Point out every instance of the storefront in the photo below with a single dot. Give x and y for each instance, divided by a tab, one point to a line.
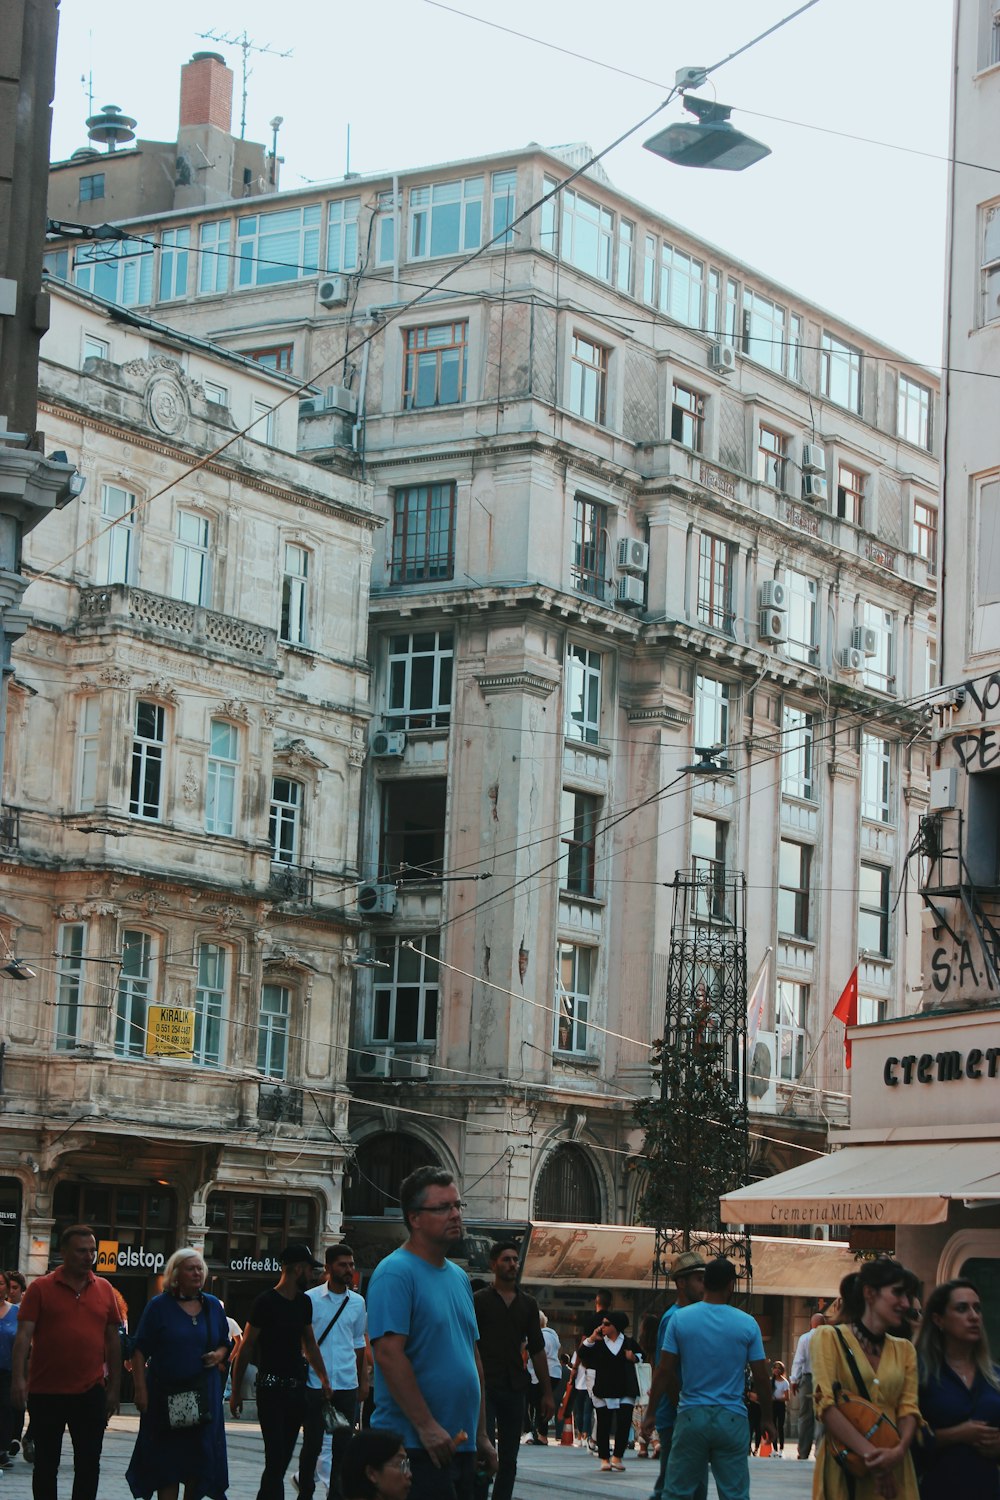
244	1236
10	1223
135	1228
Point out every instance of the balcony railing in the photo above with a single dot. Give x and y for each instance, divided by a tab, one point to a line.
10	829
173	617
291	882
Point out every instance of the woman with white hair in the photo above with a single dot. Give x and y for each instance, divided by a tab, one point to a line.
179	1360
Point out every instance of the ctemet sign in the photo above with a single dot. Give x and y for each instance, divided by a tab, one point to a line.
927	1070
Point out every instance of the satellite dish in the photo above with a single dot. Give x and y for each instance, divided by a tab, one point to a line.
760	1071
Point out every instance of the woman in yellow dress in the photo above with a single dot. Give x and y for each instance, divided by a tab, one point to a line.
875	1299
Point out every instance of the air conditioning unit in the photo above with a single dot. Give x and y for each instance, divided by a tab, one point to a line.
633	556
332	291
772	625
864	638
388	744
850	659
377	900
374	1064
773	594
722	359
410	1065
813	458
308	405
339	398
631	592
762	1074
814	487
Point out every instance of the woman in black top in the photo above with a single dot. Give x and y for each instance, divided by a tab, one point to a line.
613	1357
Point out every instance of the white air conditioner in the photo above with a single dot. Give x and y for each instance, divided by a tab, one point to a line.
332	291
339	398
631	592
374	1064
865	639
762	1079
633	556
814	487
722	359
410	1065
377	900
772	625
773	594
813	458
388	744
308	405
850	659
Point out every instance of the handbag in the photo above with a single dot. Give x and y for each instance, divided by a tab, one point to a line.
188	1404
863	1416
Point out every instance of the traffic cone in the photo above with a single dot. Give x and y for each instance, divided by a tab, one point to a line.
765	1450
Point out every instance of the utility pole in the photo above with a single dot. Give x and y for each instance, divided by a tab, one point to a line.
246	45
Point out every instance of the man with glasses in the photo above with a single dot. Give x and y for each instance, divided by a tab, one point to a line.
422	1325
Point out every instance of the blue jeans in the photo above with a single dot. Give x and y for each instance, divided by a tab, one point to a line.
704	1437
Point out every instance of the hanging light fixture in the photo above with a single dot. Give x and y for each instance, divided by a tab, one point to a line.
712	142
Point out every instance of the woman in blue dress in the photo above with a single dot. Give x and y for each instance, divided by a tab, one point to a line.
959	1399
182	1336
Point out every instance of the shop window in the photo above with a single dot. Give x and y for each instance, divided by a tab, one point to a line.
134	1217
567	1190
413	829
246	1224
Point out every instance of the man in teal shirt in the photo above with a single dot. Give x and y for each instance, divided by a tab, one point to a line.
688	1274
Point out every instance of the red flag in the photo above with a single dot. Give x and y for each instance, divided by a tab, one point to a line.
846	1010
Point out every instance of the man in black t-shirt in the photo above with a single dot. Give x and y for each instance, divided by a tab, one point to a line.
508	1319
279	1339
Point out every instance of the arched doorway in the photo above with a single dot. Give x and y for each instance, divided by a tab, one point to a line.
567	1191
380	1164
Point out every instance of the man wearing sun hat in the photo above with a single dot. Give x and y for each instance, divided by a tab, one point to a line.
687	1272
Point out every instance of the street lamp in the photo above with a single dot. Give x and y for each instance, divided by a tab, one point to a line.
712	142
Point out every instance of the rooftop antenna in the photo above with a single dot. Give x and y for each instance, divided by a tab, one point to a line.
246	45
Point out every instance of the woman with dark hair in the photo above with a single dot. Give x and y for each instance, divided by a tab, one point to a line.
613	1357
859	1358
780	1388
375	1466
959	1398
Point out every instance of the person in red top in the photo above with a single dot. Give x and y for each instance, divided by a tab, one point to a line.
68	1323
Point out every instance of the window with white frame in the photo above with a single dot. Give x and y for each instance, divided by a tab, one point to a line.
272	1030
136	993
797	768
876	778
56	263
88	741
575	966
189	579
873	910
732	325
385	230
588	380
423	534
914	412
711	712
986	529
623	267
990	274
70	942
793	364
649	259
217	394
850	494
175	247
880	669
148	750
95	348
803	639
590	547
446	218
578	824
930	660
504	188
220	788
708	864
764	330
687	418
294	626
583	695
278	246
548	229
925	533
406	992
713	302
840	372
420	666
342	234
263	423
870	1010
791	1004
210	1004
434	364
412	835
284	827
116	543
682	286
587	234
772	457
794	869
118	270
715	583
214	257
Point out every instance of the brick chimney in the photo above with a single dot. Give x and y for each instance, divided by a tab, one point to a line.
207	92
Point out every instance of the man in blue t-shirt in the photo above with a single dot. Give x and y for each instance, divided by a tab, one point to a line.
688	1275
422	1325
707	1349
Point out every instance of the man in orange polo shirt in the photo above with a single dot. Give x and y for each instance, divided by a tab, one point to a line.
68	1322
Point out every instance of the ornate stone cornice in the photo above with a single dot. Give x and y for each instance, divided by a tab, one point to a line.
491	684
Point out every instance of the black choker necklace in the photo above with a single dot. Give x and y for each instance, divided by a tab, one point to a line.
870	1342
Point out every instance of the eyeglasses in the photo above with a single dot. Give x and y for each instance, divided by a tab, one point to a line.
442	1208
402	1464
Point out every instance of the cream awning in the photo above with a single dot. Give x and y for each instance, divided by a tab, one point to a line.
885	1184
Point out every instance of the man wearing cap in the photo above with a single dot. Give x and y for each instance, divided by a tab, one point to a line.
687	1271
279	1339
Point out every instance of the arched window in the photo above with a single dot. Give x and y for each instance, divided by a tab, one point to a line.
379	1167
567	1191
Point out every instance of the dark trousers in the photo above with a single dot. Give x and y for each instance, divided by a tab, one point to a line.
86	1418
618	1422
583	1411
542	1423
11	1417
779	1423
504	1422
281	1411
313	1433
456	1481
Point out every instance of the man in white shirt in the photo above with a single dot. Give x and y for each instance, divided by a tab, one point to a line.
800	1379
339	1323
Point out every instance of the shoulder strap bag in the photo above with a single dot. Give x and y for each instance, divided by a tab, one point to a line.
863	1415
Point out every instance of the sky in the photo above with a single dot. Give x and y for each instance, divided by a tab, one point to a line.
854	225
